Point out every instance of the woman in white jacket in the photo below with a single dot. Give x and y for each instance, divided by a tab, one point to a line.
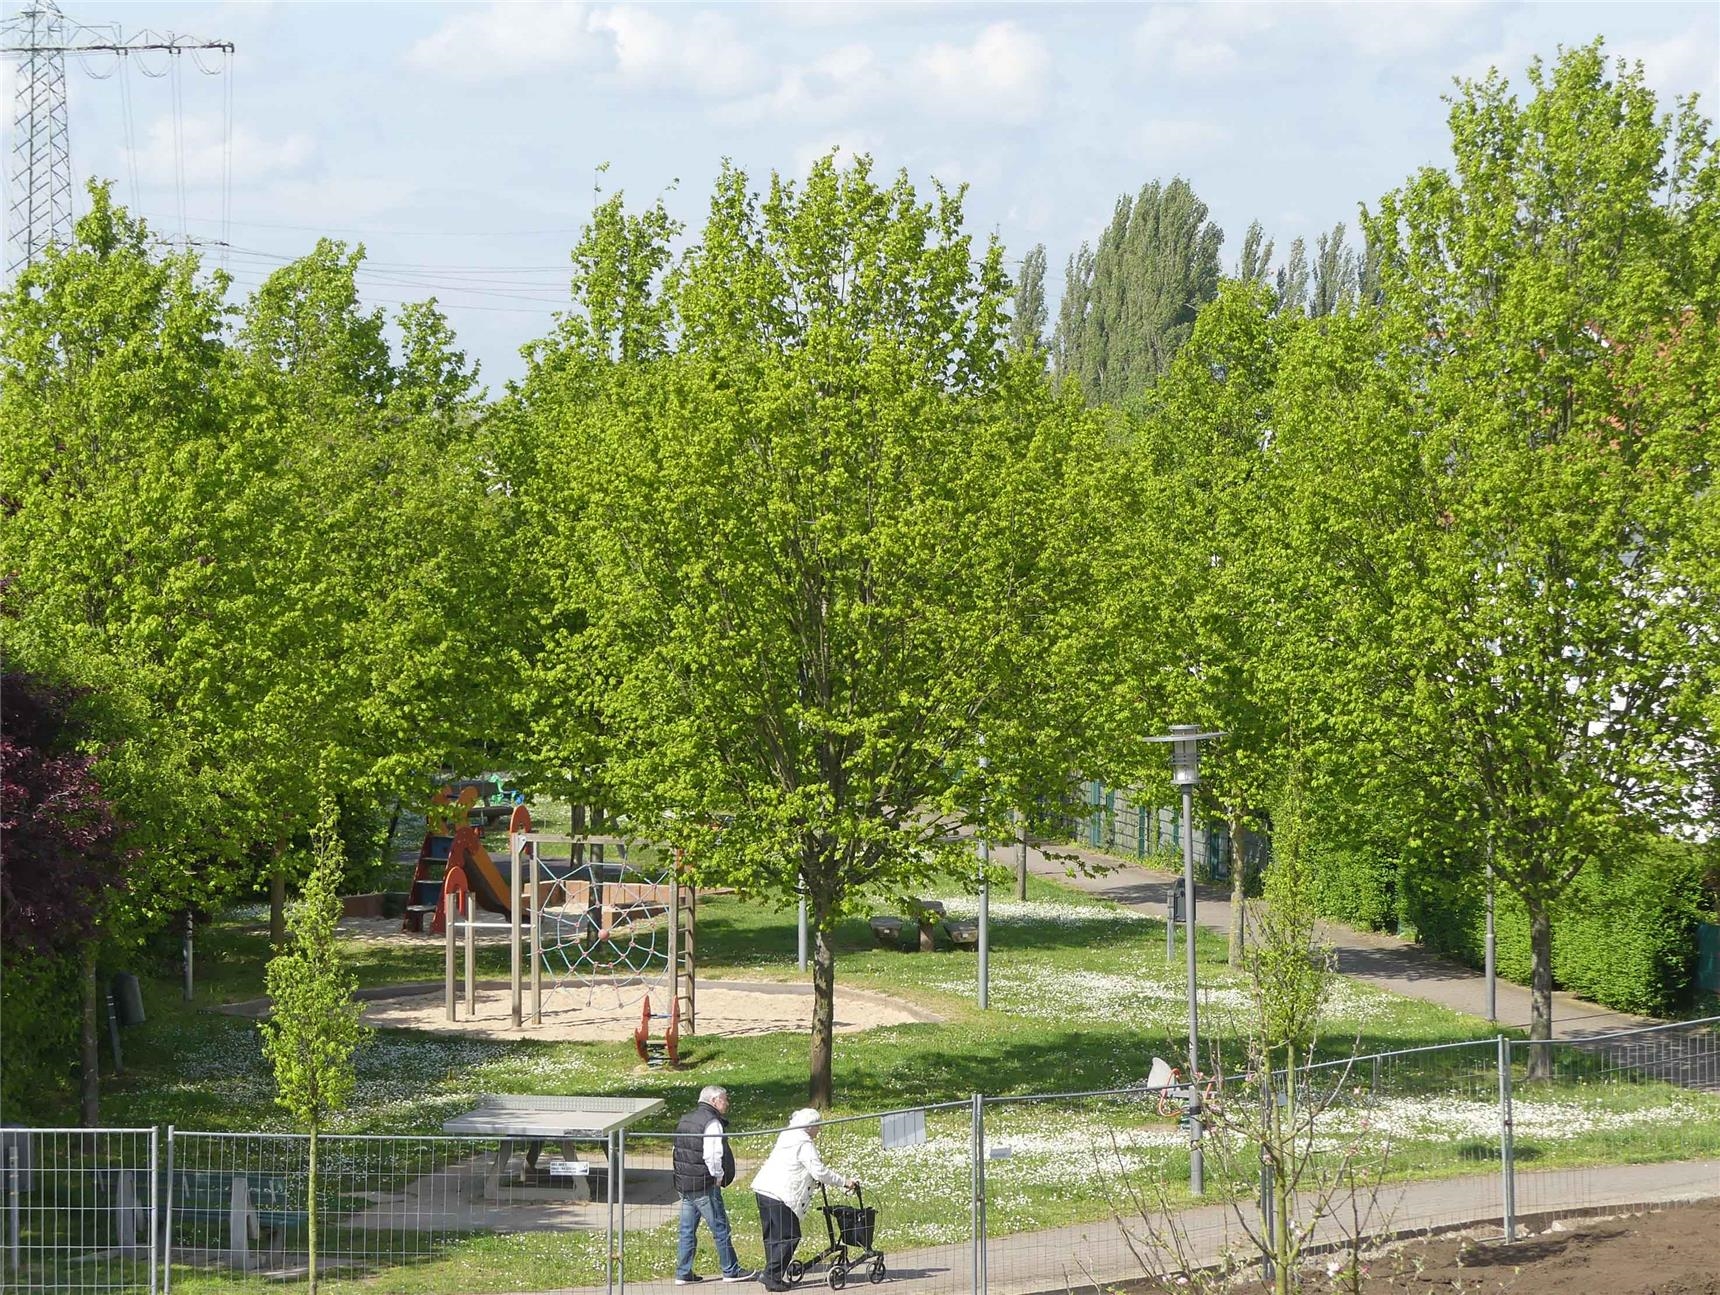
783	1186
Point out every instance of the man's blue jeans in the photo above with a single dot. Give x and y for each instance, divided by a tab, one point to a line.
707	1205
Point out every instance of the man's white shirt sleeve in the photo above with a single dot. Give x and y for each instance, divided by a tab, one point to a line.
714	1149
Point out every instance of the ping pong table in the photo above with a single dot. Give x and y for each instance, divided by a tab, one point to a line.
513	1120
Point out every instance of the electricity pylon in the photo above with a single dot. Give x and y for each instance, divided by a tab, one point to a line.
39	166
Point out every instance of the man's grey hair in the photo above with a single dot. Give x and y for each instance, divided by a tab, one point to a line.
711	1094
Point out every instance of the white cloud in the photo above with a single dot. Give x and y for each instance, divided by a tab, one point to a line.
1165	140
504	39
201	144
1401	30
701	54
846	81
1680	64
1003	76
1199	40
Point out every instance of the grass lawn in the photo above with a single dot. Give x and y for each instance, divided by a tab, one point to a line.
1082	998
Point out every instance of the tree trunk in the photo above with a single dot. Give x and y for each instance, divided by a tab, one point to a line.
823	1011
277	903
311	1212
89	1045
1021	859
1541	989
1238	889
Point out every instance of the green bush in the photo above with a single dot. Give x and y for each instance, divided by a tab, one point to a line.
41	1006
1624	935
1356	884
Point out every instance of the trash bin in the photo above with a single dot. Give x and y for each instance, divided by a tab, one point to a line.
127	999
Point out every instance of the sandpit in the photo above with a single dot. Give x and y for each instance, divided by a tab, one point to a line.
730	1008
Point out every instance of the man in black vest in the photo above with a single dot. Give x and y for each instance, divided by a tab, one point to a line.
704	1165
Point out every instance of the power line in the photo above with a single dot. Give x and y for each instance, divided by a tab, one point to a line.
40	165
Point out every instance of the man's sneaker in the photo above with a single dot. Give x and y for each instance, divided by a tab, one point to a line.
691	1279
742	1276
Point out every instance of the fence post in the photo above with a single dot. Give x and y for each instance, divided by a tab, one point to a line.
609	1198
167	1222
1508	1182
154	1204
618	1194
12	1212
978	1152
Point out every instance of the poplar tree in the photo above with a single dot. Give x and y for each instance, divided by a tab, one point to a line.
1130	303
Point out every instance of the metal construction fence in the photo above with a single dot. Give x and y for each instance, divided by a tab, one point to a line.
1017	1193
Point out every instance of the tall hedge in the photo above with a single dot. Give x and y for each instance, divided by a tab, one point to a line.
1624	935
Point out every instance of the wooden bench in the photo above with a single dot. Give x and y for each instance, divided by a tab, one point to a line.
963	934
253	1205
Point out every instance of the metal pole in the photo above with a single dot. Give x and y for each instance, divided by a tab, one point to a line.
984	923
516	1000
450	915
609	1235
1196	1165
978	1153
1021	857
154	1207
537	937
1508	1180
1492	970
618	1192
1170	921
167	1222
471	956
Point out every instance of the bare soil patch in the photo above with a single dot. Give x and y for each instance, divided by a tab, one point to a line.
1674	1251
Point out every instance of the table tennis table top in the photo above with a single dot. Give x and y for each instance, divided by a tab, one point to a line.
515	1116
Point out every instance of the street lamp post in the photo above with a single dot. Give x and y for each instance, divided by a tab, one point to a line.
1185	740
984	906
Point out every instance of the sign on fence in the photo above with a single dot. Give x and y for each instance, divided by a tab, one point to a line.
903	1129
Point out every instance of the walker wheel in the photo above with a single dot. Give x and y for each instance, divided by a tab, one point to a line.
794	1272
838	1275
877	1271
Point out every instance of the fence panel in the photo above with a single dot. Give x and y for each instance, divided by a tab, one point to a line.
918	1178
1620	1119
79	1211
431	1212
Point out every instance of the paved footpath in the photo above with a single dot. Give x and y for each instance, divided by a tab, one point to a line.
1085	1256
1374	956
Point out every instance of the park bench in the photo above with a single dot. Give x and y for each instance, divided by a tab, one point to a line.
928	914
963	934
253	1205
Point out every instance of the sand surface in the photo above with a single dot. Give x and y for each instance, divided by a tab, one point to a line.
727	1008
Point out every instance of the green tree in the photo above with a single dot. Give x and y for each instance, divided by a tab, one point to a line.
1293	278
1335	274
114	466
1027	319
1511	467
313	1027
1129	304
1192	598
1255	262
803	497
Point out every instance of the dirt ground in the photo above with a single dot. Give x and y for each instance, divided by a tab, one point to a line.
1674	1251
725	1008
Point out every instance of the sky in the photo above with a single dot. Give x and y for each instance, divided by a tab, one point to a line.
462	143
